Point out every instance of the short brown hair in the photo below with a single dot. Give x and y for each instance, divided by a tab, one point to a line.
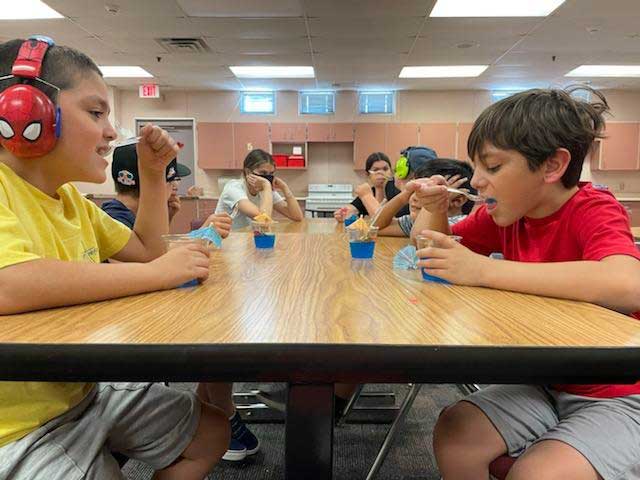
62	66
537	122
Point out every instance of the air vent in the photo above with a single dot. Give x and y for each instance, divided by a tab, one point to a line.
184	45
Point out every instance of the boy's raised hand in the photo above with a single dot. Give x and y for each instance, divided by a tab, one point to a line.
221	222
182	264
430	193
155	149
452	261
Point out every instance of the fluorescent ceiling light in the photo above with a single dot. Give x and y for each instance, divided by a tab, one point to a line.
273	72
125	72
443	71
27	10
605	71
494	8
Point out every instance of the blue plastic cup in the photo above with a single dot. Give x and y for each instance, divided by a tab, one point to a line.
362	246
263	235
422	241
177	240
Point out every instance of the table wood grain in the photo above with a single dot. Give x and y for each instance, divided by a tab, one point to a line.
308	290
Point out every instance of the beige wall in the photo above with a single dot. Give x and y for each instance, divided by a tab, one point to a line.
333	163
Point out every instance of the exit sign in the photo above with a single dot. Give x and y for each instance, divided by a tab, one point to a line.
149	90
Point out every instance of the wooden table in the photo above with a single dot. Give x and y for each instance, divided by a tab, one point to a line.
306	314
636	232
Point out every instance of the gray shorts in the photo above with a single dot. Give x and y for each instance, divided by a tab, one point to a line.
146	421
606	431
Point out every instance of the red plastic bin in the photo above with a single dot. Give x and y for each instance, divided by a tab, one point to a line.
295	161
281	160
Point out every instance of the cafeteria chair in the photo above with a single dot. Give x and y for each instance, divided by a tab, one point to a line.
407	403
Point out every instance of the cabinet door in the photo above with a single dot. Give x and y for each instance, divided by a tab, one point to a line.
633	209
288	132
441	137
619	150
369	138
464	129
247	137
215	145
341	132
400	136
181	222
319	132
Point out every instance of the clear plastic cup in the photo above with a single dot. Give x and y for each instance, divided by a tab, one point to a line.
263	235
180	239
422	241
362	247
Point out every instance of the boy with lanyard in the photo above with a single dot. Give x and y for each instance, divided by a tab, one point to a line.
560	238
54	129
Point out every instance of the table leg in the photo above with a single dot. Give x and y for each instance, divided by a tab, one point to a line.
309	432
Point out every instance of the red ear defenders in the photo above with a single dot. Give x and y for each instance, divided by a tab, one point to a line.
30	122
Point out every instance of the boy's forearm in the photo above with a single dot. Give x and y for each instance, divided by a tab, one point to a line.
430	221
588	281
391	208
152	218
392	230
46	283
370	203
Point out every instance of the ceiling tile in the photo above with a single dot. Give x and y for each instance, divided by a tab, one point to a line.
367	8
250	27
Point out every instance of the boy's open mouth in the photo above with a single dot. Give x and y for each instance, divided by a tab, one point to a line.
103	151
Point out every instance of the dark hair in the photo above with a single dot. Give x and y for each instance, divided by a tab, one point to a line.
62	67
537	122
132	190
376	157
257	157
448	167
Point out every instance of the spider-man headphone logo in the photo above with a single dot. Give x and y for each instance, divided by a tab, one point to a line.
30	123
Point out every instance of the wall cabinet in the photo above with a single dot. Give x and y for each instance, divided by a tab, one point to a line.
619	150
369	138
288	132
215	145
464	129
398	137
441	137
247	137
330	132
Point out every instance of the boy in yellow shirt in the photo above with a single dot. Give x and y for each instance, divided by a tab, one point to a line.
54	129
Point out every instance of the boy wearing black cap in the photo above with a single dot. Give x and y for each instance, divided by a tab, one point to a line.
124	171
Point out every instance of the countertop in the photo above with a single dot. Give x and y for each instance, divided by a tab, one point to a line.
182	197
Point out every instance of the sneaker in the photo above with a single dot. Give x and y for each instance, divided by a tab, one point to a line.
242	434
275	399
236	451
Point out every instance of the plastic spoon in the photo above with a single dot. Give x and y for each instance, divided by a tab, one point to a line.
471	196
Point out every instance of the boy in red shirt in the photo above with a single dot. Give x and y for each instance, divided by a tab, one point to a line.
559	238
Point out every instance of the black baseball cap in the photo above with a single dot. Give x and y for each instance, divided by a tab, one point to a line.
124	168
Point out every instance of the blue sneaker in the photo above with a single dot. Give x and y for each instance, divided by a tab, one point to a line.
242	434
236	451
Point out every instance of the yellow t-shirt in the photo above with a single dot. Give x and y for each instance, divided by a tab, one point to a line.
34	225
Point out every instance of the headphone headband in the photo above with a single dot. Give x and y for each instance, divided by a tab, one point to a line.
28	63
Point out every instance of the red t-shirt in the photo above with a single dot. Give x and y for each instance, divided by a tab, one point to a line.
591	225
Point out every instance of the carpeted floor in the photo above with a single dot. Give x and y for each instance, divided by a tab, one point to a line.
355	445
